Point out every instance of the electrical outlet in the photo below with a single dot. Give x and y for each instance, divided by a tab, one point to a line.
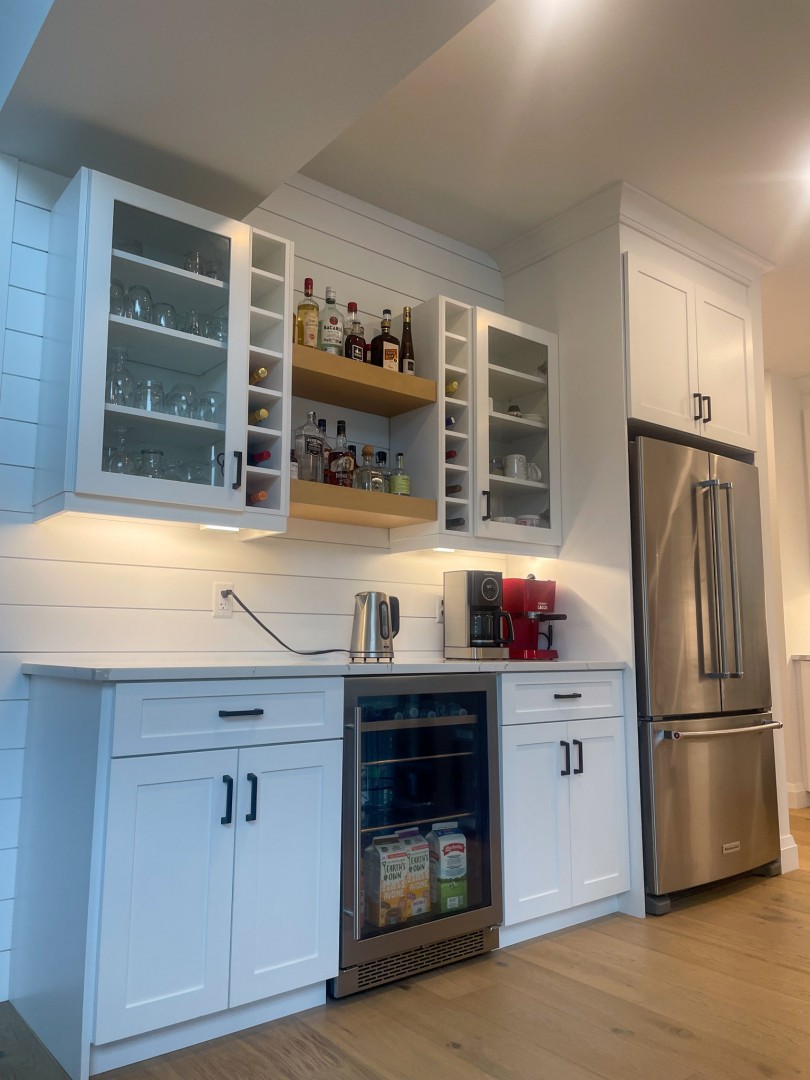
222	605
439	609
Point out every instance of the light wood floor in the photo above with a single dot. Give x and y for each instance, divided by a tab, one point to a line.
717	990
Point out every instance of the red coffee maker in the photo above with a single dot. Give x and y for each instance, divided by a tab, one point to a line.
531	605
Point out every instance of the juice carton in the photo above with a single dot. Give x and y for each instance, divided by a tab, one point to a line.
417	901
448	867
385	881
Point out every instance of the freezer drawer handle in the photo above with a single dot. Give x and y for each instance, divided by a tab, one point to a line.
677	735
254	790
566	697
567	747
581	767
241	712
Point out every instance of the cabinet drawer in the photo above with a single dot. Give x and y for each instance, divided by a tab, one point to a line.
535	697
159	718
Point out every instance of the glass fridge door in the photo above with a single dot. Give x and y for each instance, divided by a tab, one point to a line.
425	843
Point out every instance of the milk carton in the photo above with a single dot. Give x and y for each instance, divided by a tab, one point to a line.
417	900
448	867
385	881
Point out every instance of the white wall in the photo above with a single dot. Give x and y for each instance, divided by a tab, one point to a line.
81	589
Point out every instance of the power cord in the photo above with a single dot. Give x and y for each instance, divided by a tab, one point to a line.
301	652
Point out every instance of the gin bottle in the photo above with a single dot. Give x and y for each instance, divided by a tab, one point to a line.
309	450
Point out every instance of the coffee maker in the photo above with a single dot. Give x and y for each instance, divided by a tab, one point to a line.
531	605
475	625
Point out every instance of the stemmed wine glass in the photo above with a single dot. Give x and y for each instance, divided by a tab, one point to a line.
116	458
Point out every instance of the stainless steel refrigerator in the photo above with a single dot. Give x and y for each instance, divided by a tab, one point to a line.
708	784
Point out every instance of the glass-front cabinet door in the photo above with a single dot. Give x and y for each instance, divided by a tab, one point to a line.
163	339
517	451
421	821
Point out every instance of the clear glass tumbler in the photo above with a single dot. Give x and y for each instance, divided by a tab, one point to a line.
149	395
138	304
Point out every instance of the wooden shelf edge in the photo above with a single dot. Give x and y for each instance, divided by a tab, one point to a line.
350	506
336	380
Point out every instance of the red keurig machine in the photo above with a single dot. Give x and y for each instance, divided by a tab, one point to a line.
531	605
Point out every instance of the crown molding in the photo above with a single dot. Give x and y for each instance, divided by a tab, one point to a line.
624	205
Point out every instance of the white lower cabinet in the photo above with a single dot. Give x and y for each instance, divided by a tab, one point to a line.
220	882
565	820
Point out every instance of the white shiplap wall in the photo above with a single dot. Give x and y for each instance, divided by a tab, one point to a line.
79	589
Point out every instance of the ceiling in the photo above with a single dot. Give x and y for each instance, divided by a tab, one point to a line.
480	120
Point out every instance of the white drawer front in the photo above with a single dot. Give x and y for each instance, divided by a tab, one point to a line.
537	696
159	718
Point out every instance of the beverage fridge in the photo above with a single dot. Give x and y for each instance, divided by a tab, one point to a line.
709	808
421	858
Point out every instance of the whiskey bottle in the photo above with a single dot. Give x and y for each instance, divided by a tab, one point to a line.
309	450
406	364
385	347
307	318
257	375
354	347
330	325
257	416
341	460
399	482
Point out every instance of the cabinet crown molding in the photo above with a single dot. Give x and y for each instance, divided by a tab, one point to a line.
622	204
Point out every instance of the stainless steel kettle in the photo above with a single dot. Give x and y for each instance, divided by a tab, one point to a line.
376	624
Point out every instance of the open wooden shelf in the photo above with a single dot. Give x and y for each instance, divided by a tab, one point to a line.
352	506
336	380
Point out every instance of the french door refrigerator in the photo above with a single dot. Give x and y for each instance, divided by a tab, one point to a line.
708	784
420	752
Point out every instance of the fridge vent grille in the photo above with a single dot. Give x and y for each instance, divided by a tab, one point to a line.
377	972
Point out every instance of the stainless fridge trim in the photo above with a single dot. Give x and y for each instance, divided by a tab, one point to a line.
774	725
354	950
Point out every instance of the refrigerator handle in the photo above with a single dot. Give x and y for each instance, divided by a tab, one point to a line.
719	597
358	781
737	673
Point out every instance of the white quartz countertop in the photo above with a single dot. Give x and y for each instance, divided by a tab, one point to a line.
150	669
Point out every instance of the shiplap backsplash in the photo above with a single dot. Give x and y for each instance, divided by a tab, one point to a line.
80	589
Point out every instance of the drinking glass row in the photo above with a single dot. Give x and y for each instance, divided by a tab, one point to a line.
148	394
119	457
136	303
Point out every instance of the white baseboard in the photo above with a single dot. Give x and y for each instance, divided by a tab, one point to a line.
798	798
789	854
546	924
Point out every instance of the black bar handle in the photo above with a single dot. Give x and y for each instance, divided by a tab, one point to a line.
567	697
707	419
698	406
228	819
578	744
254	792
241	712
238	482
567	770
488	514
505	619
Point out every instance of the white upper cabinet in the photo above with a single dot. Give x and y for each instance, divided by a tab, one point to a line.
489	452
144	399
689	356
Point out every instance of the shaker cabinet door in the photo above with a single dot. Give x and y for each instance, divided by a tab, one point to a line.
726	359
166	901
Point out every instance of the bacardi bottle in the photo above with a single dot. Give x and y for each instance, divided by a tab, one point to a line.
330	326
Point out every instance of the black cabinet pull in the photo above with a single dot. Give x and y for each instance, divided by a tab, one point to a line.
254	791
566	697
578	744
238	483
228	801
567	770
488	514
241	712
707	419
698	406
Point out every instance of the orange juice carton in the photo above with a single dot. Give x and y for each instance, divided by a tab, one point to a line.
417	901
385	881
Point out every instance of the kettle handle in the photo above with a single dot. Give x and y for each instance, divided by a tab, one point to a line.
505	617
393	602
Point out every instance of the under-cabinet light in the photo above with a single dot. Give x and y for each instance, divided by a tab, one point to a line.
222	528
447	551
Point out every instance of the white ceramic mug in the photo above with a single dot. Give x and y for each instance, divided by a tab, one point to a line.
534	472
514	465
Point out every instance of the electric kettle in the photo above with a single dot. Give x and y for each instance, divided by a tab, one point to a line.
376	624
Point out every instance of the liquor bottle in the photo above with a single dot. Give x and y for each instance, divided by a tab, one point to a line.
451	386
449	421
455	523
382	465
327	449
257	375
307	318
353	452
385	347
450	455
256	498
341	460
259	458
293	465
257	416
454	489
354	347
309	450
399	482
330	325
368	476
406	363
